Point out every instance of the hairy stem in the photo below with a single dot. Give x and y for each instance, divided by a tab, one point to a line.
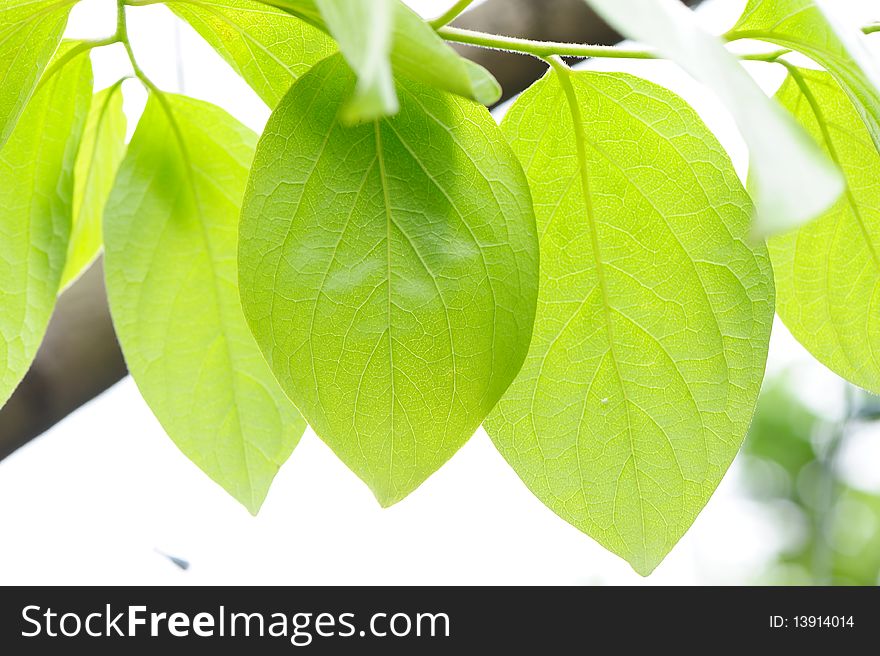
540	49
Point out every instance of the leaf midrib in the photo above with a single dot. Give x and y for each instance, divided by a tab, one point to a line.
190	171
564	77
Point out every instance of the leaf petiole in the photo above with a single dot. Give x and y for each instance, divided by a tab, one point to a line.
71	54
450	14
122	37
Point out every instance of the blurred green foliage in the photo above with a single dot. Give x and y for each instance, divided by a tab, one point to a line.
831	530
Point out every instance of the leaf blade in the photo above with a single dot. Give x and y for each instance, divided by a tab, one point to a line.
36	190
794	182
170	240
364	32
267	47
809	26
653	313
418	53
31	31
392	298
828	272
100	153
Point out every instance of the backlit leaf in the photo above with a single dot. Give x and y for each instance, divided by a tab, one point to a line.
170	232
418	53
36	198
363	31
653	318
100	153
810	28
828	272
389	272
30	31
267	47
793	181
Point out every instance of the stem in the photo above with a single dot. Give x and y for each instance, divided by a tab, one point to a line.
546	50
450	14
541	49
870	29
122	36
75	51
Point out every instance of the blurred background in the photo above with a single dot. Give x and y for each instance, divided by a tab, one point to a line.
104	497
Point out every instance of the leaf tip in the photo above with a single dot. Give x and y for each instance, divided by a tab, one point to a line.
486	89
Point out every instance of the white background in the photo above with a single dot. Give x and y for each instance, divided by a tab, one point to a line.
104	494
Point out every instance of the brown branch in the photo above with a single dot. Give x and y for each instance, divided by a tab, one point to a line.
79	359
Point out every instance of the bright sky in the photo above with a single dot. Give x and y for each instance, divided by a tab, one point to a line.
98	497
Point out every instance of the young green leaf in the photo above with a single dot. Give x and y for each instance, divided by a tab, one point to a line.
36	192
418	53
654	312
808	27
100	153
363	32
30	31
170	232
388	271
828	272
793	181
267	47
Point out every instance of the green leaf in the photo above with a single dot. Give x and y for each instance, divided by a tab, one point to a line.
36	191
30	31
653	318
363	32
170	231
389	272
793	181
418	53
828	272
807	26
100	153
266	46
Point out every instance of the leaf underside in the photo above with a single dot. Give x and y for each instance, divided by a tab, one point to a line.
804	25
418	53
267	47
828	272
389	272
654	312
793	181
100	152
30	31
36	190
170	231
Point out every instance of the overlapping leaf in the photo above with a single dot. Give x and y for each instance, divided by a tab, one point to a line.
30	31
793	181
100	153
266	46
653	318
36	198
388	271
417	52
809	27
170	236
828	272
364	32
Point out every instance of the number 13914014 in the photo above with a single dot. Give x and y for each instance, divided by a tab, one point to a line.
812	622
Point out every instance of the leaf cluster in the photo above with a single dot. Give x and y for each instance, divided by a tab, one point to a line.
590	280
